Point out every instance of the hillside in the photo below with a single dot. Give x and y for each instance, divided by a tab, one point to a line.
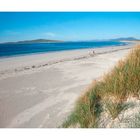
112	101
125	39
34	41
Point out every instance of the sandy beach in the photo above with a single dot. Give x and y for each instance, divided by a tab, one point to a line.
40	90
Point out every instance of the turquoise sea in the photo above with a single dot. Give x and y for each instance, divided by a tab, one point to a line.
8	50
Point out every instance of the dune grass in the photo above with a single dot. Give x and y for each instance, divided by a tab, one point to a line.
108	94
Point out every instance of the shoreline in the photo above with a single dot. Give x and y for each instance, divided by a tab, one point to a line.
41	53
69	49
34	61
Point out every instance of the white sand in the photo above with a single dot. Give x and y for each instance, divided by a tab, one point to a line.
40	90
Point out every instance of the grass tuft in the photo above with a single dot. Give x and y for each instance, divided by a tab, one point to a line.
109	94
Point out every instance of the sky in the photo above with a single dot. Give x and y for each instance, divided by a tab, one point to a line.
68	26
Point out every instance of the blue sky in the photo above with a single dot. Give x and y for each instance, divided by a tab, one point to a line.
16	26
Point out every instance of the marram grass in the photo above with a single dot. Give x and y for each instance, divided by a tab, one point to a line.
108	94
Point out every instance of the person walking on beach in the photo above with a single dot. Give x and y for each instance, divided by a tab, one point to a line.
92	53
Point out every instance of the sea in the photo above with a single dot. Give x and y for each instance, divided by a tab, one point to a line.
13	49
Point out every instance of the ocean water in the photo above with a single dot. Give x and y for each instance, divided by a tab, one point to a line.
8	50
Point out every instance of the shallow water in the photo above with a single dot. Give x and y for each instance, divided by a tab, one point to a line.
8	50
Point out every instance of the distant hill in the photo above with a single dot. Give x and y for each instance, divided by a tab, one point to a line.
57	41
34	41
115	39
125	39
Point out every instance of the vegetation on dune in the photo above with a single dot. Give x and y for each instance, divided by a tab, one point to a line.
108	94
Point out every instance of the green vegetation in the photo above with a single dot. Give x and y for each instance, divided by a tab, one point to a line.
109	94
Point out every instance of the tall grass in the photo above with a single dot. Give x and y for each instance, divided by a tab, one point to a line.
109	94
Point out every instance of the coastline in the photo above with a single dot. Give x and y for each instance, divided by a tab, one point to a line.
40	90
22	63
33	48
